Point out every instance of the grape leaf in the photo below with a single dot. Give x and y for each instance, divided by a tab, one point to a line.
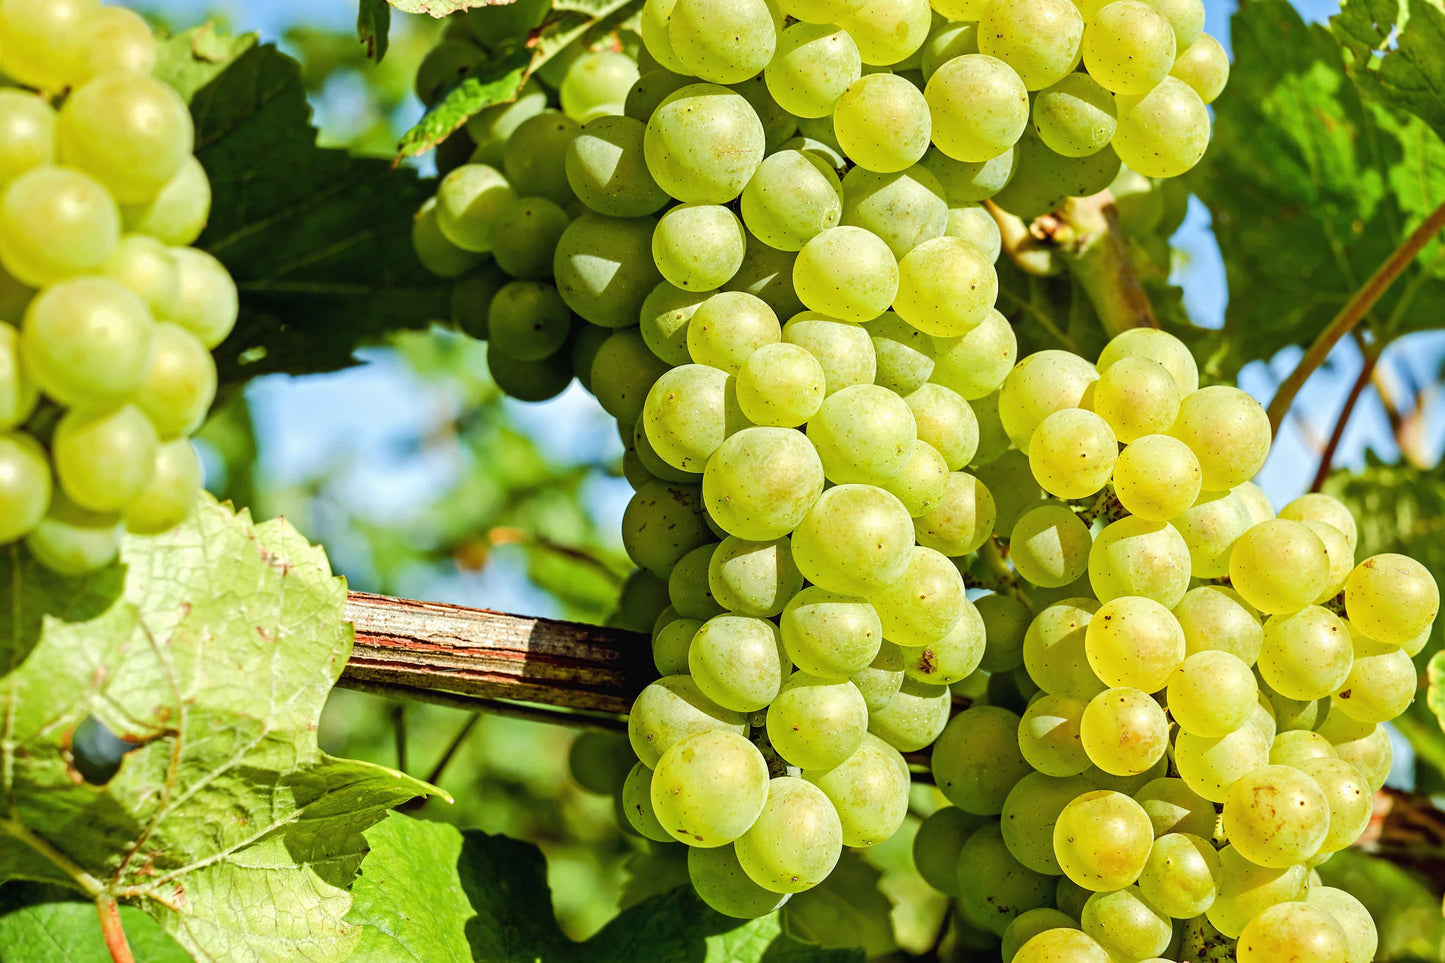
1397	54
429	891
443	8
213	660
373	27
1311	188
317	240
42	924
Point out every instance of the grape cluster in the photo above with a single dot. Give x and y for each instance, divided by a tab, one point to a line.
105	312
758	242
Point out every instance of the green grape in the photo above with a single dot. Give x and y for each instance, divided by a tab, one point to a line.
491	127
167	498
1381	684
1228	430
526	235
703	143
1044	179
923	604
738	661
1173	807
888	31
662	523
1006	621
1165	132
1075	116
180	382
947	39
1061	945
1134	641
977	760
728	327
780	385
1366	747
1029	924
1212	694
1123	731
1072	453
528	320
104	459
1292	931
596	84
671	709
945	423
1054	652
1306	654
437	254
651	89
966	182
1294	714
844	351
1279	566
1039	39
709	787
1048	735
535	156
796	841
472	296
914	717
1391	598
1135	556
814	723
994	887
1128	47
670	644
1102	840
698	246
1263	719
1127	924
1157	478
44	40
1247	889
904	208
793	197
1039	385
18	394
974	224
720	882
623	372
980	108
1156	345
207	303
1349	798
54	223
753	578
953	657
470	199
606	169
665	316
1050	545
1137	396
722	42
687	585
25	486
530	380
600	762
1186	17
828	635
1210	528
178	211
1210	765
813	65
145	266
937	844
73	541
27	131
768	273
87	342
1181	876
904	354
116	40
1029	812
946	287
820	11
1204	66
846	273
1295	747
779	126
922	483
993	444
882	123
761	483
495	26
961	519
1317	507
1353	918
604	268
881	680
976	363
853	539
656	39
869	790
863	434
129	132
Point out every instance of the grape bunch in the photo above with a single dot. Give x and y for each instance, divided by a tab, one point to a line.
107	316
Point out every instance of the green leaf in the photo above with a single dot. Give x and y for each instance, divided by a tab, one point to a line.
373	25
845	909
42	924
318	241
429	891
214	660
1397	54
443	8
1311	189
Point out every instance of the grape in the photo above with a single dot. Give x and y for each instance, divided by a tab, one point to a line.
829	635
1212	694
1246	890
947	39
1369	751
129	132
657	41
994	887
1209	766
946	286
814	723
1137	396
167	498
623	372
105	459
662	523
1127	924
529	380
27	131
1210	528
116	40
974	224
719	880
1157	478
1295	747
703	143
728	327
904	354
670	644
1348	796
1043	180
207	303
1165	132
71	540
1006	620
636	803
869	790
1102	840
698	246
1061	946
738	662
178	211
914	717
1039	385
1204	66
526	235
1381	684
1391	598
443	67
1306	654
606	170
980	108
936	846
1135	641
1075	116
1293	714
437	254
1054	652
528	320
795	842
961	520
846	273
491	127
888	31
146	267
1276	816
1173	807
993	445
1128	47
1181	875
863	434
1123	731
761	483
882	123
470	199
1029	924
882	679
1293	931
25	485
820	11
1156	345
1029	812
945	423
709	788
1353	918
953	657
1048	735
604	268
87	342
687	585
1050	546
18	394
780	385
56	222
753	578
671	709
722	42
792	198
813	65
855	539
904	208
965	182
977	760
1135	556
595	84
180	382
924	603
44	40
1072	453
1186	17
1317	507
1039	39
535	156
665	314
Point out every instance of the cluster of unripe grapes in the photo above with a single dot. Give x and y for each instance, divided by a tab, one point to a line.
758	243
107	317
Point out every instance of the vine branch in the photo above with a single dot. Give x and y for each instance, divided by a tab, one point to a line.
1327	457
112	929
1353	313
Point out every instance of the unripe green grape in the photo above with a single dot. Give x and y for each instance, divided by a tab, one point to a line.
1204	66
665	314
1048	735
1292	931
116	40
960	520
854	539
703	143
104	460
761	483
753	578
1040	384
974	224
131	133
470	199
180	382
54	223
728	327
1006	620
723	43
904	208
813	65
604	269
1102	840
596	83
1137	396
73	541
947	39
1135	556
656	40
980	107
1247	889
530	380
177	213
923	604
534	157
828	635
1381	683
18	394
937	843
844	351
946	423
1209	766
662	523
882	123
670	644
1210	527
1029	812
1354	919
207	303
863	434
1157	478
975	363
145	266
1050	546
1181	875
1054	652
946	287
916	714
904	354
25	486
966	182
87	342
792	198
27	131
882	679
846	273
923	482
698	246
720	882
687	585
795	842
167	498
1128	47
888	31
1123	731
709	788
1039	39
1391	598
44	40
443	66
1075	116
526	235
1165	132
607	171
817	724
1349	798
528	320
432	248
1173	807
993	885
1127	924
1031	923
671	709
868	789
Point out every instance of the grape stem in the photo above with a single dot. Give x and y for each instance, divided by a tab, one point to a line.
110	926
1353	313
1327	457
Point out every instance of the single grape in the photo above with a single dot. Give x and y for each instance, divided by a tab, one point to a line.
1137	396
791	198
1127	924
974	224
698	246
1054	649
904	354
1209	766
167	497
888	31
1156	345
207	302
1048	735
738	662
980	107
1227	430
1062	945
915	716
844	350
1381	684
1102	840
780	385
73	541
813	65
604	269
1165	132
1348	796
723	43
937	844
882	122
687	585
846	273
953	657
1391	598
1247	889
1075	116
1173	807
688	413
1128	47
1039	39
709	788
720	882
947	39
904	208
945	423
596	84
946	287
977	760
437	254
662	523
1072	453
728	327
1292	931
796	841
828	635
961	519
1204	66
1276	816
1135	556
671	709
180	382
87	342
1210	528
1212	694
761	483
1123	731
670	643
27	130
869	790
703	143
1050	546
623	372
1353	918
1181	875
1157	477
993	885
1306	654
1039	385
535	156
635	801
25	485
56	222
854	539
104	459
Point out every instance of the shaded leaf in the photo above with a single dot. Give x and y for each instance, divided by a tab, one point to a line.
373	25
41	924
1397	54
847	908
